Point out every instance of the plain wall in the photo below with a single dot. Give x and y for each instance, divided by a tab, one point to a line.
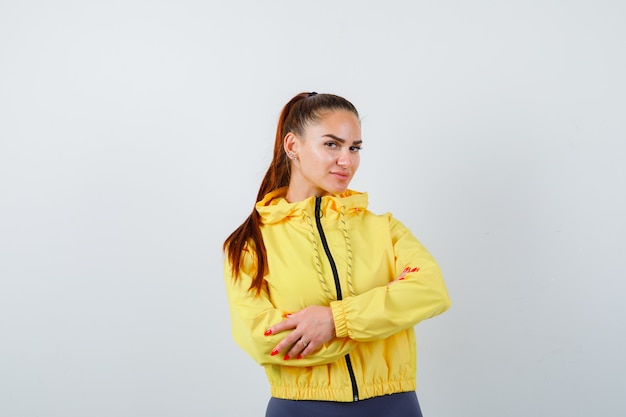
134	135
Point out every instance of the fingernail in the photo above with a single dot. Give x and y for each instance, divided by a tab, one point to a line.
274	352
268	332
286	357
400	279
299	357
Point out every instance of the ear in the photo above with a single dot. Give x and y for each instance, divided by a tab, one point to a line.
291	144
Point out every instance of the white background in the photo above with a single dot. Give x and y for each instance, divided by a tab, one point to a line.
134	134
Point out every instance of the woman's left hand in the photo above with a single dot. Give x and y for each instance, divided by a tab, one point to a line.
312	327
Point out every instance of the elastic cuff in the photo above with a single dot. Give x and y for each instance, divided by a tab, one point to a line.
339	315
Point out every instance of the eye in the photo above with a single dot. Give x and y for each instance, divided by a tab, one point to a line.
331	145
355	149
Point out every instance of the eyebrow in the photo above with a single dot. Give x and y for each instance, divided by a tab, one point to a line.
338	139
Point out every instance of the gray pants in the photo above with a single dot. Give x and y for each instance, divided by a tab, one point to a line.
403	404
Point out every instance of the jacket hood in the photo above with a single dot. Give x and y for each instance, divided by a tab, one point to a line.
274	208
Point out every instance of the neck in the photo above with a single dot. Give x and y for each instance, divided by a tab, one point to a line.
293	195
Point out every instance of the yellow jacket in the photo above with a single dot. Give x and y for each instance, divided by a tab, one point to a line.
374	352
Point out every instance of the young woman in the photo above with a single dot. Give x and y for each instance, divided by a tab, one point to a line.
324	293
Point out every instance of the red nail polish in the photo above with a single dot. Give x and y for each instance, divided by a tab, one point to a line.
274	352
299	357
286	357
400	279
268	332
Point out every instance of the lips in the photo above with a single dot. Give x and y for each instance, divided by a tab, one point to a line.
342	175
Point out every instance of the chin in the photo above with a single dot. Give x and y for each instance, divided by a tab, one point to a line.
336	190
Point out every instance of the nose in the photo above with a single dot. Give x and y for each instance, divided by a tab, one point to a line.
345	159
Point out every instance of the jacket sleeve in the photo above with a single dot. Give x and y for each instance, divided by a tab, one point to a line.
251	315
383	311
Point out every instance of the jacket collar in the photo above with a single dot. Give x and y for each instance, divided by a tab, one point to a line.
274	208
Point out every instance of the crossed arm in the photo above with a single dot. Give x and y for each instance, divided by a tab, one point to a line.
322	334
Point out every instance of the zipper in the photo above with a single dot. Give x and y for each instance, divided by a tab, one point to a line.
333	267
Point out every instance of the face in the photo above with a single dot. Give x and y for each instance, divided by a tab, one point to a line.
326	156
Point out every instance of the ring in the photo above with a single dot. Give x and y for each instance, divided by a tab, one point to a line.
305	344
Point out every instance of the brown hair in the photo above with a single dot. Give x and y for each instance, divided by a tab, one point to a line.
300	111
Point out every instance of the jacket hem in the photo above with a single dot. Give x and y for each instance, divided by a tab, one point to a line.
342	394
